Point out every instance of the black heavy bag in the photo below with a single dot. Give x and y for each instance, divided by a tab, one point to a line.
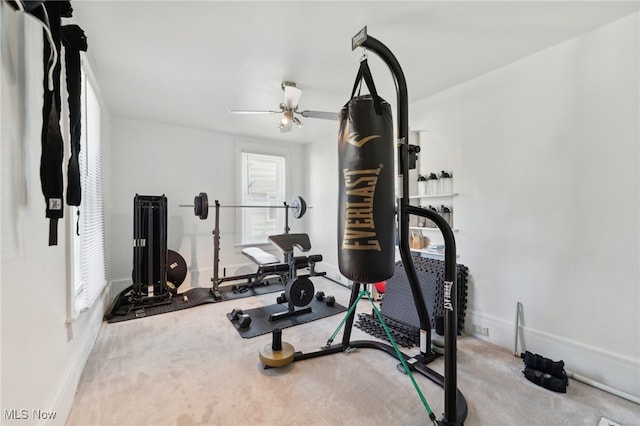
366	203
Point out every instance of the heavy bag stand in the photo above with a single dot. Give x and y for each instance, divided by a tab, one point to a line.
455	405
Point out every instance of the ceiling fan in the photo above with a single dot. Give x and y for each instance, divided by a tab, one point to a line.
289	109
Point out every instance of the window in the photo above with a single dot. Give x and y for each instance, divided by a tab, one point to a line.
88	241
263	184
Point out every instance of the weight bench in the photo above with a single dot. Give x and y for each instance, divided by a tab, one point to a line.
298	289
268	263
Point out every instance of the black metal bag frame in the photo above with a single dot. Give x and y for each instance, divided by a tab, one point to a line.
455	404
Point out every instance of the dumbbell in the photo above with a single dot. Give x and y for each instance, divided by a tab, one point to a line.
281	299
238	315
330	300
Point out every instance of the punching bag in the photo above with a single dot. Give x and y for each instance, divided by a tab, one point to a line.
366	203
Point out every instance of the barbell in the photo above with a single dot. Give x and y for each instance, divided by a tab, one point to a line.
200	206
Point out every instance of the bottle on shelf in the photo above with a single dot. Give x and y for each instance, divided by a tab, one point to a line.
430	223
433	185
447	213
446	182
422	185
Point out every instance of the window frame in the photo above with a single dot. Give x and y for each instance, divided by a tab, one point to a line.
259	148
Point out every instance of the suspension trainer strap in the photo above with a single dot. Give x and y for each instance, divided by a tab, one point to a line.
74	41
51	138
52	155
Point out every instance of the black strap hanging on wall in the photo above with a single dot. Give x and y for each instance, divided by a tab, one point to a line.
52	156
74	41
52	145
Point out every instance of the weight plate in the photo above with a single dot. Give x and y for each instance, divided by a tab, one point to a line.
299	291
197	205
298	207
176	270
205	205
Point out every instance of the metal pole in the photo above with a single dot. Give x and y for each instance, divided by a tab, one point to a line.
286	218
404	210
450	312
137	247
403	172
346	334
216	247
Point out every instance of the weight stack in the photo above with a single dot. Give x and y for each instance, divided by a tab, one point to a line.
398	303
150	247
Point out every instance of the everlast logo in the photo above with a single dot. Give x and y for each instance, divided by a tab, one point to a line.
359	228
353	139
447	295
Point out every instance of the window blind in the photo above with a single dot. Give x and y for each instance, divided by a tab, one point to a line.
90	255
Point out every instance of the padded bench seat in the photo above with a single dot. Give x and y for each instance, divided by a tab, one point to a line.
259	256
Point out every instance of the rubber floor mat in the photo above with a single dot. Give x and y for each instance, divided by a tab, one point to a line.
190	298
260	323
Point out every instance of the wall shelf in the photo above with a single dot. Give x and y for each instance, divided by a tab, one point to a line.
413	197
424	228
435	254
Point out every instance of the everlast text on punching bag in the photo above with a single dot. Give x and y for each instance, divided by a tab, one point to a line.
366	204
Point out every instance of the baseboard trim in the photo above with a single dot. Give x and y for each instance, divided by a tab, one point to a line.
586	363
65	395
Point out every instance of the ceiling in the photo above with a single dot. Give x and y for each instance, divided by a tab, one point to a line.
188	63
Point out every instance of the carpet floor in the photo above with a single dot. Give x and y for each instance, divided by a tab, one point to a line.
191	367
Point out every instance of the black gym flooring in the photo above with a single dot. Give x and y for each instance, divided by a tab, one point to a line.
260	323
190	298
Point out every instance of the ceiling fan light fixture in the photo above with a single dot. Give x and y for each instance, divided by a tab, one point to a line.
286	119
289	109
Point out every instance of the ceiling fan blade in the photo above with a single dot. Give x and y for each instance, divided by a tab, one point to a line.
323	115
292	96
243	111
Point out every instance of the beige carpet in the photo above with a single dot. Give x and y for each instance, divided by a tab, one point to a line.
192	368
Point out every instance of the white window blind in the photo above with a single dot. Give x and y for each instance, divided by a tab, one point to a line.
89	258
263	184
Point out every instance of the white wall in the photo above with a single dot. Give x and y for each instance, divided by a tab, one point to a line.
545	154
322	187
154	159
41	354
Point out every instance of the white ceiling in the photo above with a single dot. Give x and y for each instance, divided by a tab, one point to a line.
188	63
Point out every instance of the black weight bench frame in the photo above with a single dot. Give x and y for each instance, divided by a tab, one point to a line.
287	243
282	270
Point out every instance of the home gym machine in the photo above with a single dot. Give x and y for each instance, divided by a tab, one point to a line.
154	267
150	250
279	353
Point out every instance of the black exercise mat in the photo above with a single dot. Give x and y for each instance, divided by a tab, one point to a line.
260	323
398	303
232	292
404	335
194	297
